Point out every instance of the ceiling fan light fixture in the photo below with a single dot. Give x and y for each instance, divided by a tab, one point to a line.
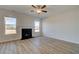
38	11
39	8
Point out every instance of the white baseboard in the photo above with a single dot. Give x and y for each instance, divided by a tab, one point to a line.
62	39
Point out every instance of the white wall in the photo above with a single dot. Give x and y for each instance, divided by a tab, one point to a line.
23	21
64	26
28	22
4	13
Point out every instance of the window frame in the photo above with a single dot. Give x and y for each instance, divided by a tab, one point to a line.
38	25
6	25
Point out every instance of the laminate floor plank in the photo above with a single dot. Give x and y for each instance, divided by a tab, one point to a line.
39	45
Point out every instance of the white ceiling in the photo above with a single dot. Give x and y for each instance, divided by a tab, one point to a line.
52	9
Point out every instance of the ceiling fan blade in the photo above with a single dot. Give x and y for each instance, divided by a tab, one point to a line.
43	6
44	11
34	6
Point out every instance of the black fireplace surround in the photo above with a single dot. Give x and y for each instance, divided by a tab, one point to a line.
26	33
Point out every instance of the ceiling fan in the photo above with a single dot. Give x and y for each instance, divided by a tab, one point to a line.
39	8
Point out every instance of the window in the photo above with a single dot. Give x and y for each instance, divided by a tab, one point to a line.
37	26
10	25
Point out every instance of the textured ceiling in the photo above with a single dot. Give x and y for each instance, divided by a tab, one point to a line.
52	9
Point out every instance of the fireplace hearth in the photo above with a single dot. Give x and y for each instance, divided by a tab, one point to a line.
26	33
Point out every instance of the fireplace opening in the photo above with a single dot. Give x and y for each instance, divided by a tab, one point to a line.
26	33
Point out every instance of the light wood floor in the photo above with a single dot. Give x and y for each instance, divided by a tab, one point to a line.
40	45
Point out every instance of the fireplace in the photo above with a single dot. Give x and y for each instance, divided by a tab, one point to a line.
26	33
